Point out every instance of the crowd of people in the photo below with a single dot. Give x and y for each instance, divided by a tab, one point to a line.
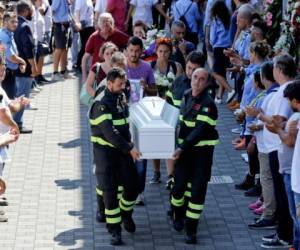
200	50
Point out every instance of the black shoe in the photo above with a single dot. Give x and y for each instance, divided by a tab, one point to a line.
247	183
100	217
41	79
263	224
3	203
276	244
190	238
178	224
156	178
254	191
24	130
170	182
116	239
170	212
269	238
129	224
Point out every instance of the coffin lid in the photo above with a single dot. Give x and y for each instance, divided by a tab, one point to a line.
154	112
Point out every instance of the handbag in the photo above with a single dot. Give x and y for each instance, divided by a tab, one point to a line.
85	97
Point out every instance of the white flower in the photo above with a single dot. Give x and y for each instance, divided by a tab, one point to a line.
151	33
171	76
166	82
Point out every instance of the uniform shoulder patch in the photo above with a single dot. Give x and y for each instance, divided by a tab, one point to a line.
205	109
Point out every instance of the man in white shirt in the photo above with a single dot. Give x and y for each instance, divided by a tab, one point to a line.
284	72
100	7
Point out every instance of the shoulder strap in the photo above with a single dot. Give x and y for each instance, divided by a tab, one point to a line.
153	63
174	67
185	11
98	66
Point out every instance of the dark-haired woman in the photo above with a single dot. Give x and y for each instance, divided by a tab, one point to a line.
259	52
220	40
165	71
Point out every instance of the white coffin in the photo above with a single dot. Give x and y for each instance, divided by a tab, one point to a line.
153	123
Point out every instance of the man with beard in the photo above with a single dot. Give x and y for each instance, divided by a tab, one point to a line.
25	45
106	33
114	154
141	71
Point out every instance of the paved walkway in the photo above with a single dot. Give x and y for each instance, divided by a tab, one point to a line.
51	193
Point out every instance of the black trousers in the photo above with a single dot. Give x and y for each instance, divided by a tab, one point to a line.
191	176
253	157
113	167
85	34
285	223
9	83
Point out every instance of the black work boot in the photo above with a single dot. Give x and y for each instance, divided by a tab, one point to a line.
100	216
116	238
247	183
178	218
178	221
190	238
190	235
129	224
127	221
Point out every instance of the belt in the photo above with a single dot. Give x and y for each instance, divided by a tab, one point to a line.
62	23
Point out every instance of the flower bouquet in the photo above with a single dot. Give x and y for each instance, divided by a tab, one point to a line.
163	82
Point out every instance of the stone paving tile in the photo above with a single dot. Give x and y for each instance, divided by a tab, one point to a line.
51	193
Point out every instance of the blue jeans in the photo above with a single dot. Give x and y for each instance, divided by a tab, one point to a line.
293	199
141	167
23	87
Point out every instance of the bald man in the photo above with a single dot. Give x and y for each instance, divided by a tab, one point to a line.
197	137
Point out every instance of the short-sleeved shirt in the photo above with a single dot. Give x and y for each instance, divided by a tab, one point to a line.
4	104
96	41
278	105
117	8
101	74
86	11
144	71
143	11
48	15
285	153
295	175
7	38
190	11
242	44
100	6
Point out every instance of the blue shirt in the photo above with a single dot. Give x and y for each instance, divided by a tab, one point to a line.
192	16
209	4
242	44
7	38
249	91
219	35
233	26
60	9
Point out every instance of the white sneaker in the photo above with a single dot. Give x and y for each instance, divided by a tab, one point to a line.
30	106
66	76
236	130
245	157
237	111
218	100
56	77
140	200
230	96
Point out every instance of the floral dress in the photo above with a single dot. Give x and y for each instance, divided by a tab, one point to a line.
164	80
